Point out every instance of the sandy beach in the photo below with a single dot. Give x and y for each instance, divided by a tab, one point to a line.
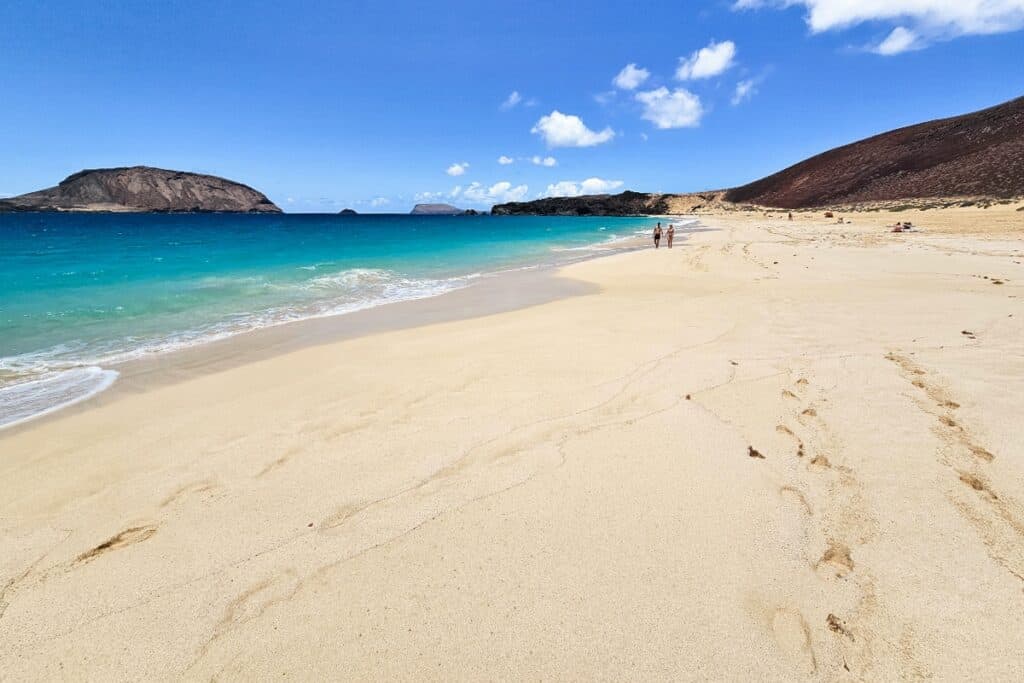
781	450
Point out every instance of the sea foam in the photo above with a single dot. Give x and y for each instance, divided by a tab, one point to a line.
28	400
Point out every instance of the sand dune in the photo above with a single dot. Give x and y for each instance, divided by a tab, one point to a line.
782	450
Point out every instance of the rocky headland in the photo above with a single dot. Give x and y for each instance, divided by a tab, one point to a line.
142	189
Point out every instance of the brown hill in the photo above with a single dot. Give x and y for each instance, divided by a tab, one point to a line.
143	189
979	155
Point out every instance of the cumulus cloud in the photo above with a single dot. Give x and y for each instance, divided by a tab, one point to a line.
744	91
499	193
379	201
505	161
679	108
544	161
917	22
899	40
708	61
455	192
457	169
631	77
572	188
511	101
567	130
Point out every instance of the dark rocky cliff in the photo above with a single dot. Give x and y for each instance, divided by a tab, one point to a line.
143	189
624	204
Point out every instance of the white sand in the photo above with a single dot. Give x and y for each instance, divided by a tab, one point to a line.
566	491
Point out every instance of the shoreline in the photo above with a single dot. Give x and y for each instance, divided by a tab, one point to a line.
490	293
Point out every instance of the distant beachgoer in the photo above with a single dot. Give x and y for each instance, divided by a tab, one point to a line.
790	215
670	234
657	235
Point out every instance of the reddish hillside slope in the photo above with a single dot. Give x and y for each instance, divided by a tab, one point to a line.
979	154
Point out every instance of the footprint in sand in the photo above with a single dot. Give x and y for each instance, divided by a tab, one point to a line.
248	606
340	516
981	453
794	638
819	463
187	490
136	534
783	429
281	460
977	484
793	495
836	625
835	561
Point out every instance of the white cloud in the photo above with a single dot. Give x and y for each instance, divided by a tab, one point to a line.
505	161
918	22
545	161
499	193
744	91
563	188
511	101
899	40
567	130
572	188
631	77
379	201
605	97
708	61
457	169
677	109
455	192
427	196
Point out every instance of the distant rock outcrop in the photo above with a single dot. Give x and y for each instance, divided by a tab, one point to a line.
144	190
435	210
978	155
348	212
624	204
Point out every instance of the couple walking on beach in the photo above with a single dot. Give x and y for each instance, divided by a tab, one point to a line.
669	235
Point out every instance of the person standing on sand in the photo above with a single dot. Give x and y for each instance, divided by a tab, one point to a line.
670	234
657	235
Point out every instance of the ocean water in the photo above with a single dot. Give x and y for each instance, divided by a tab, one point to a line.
81	292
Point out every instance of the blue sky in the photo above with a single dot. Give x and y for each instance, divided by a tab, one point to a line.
375	106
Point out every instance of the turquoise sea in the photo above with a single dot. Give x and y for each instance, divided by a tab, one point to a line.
81	292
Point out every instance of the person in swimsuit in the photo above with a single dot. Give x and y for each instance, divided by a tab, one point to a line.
670	234
657	235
